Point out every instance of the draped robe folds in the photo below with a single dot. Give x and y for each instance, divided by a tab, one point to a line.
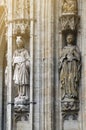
21	67
69	66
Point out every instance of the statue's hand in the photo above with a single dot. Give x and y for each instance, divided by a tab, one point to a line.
70	57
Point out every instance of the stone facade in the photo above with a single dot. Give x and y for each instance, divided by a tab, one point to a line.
42	25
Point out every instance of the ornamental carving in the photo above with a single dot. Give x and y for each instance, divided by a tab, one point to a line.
69	18
69	22
69	6
21	27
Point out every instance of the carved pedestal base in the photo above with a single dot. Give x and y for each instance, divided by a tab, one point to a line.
70	104
70	107
21	104
21	108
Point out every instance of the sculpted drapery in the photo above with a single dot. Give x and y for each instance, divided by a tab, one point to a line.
69	67
21	66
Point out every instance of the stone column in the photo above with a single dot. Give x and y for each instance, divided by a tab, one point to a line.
51	64
43	62
31	60
83	76
1	93
57	51
9	64
47	42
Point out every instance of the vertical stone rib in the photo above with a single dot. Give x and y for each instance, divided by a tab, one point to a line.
9	51
37	69
43	61
31	61
46	65
83	76
50	64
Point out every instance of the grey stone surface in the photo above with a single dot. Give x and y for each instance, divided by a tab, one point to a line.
23	125
71	124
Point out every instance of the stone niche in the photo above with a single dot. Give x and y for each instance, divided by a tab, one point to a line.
70	65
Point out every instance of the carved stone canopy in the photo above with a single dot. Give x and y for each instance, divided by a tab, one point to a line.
69	22
21	27
69	7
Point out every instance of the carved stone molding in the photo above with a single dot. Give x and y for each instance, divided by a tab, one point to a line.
70	114
20	17
69	22
69	6
21	104
69	104
21	116
21	27
69	18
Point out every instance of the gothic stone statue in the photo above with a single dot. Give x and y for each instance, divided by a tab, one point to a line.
69	66
21	66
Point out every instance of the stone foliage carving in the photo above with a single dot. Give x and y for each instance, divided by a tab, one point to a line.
69	6
21	77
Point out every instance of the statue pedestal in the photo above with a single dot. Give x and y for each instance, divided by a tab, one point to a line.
70	104
70	108
21	108
21	104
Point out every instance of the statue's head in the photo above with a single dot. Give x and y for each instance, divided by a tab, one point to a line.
19	42
70	38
